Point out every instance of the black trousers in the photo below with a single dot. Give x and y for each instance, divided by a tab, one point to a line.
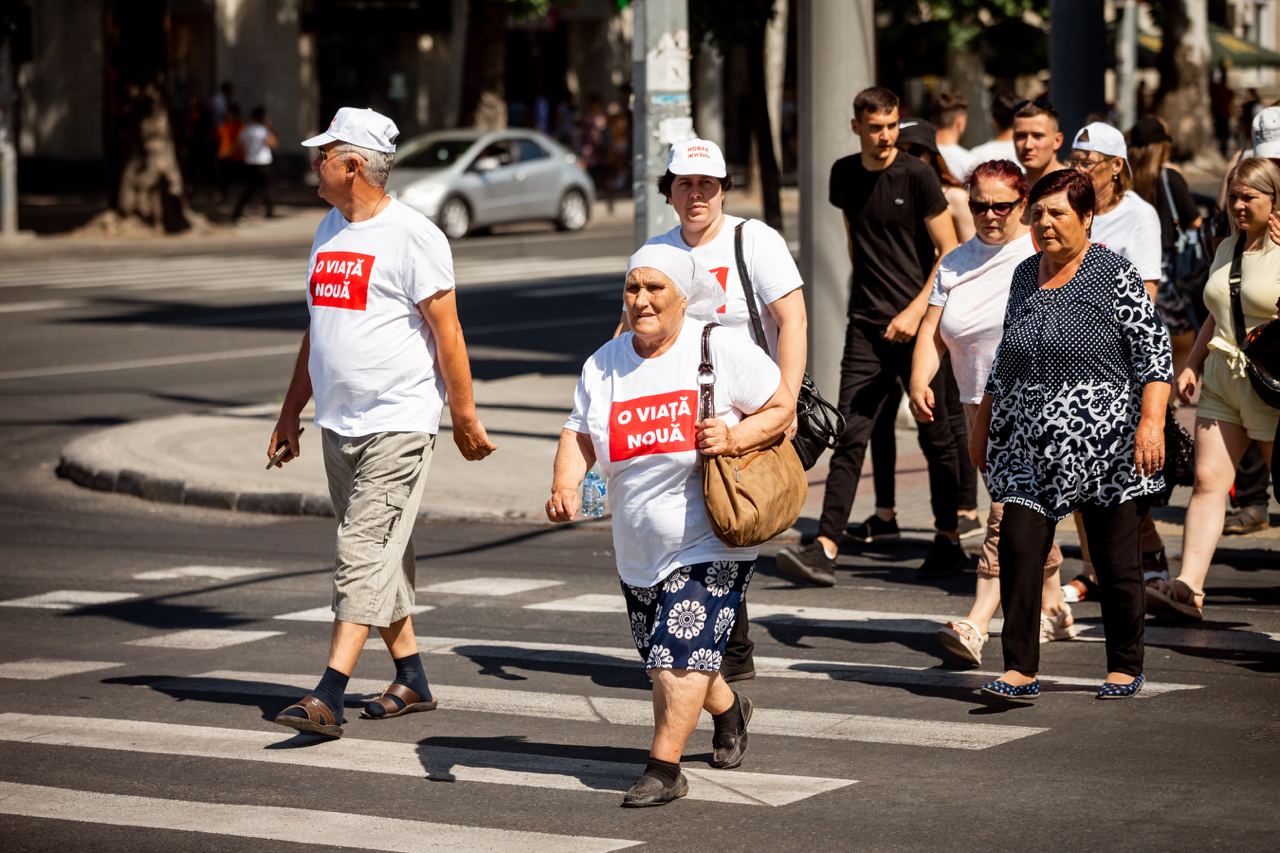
257	181
872	371
737	652
1251	478
1114	544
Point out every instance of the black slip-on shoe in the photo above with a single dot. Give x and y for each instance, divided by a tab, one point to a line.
809	563
945	558
873	528
652	791
729	748
967	528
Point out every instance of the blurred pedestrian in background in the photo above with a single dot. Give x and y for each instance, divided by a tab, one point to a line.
1230	412
1037	138
950	114
257	142
966	319
230	150
681	584
1000	146
1073	419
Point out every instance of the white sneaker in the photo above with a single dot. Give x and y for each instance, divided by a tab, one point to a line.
1055	627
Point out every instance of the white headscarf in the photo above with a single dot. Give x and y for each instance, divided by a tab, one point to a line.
704	294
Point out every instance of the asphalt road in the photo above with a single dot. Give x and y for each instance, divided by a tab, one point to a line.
145	645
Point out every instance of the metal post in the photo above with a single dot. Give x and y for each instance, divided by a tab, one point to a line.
1077	84
660	81
1127	65
837	60
8	155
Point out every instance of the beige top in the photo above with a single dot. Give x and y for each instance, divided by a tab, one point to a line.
1259	289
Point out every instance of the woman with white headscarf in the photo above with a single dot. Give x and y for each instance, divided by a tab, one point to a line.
636	413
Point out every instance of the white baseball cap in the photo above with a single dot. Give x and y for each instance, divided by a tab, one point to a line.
1266	133
1102	138
696	157
365	128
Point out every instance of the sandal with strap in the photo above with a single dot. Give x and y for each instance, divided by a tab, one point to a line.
963	639
408	702
319	719
1175	598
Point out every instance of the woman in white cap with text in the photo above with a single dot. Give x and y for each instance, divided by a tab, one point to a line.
635	414
1130	227
694	185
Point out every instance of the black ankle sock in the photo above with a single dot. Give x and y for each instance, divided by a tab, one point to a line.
664	770
410	673
330	691
730	720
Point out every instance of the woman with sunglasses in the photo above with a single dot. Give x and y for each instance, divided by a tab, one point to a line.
966	318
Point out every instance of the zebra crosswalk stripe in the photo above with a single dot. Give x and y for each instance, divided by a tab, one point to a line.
279	823
401	759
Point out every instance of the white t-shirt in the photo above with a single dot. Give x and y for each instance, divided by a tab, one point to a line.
1132	230
769	263
373	358
994	149
959	160
640	414
253	138
972	285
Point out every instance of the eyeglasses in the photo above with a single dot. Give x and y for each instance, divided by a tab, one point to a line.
1083	163
324	155
999	208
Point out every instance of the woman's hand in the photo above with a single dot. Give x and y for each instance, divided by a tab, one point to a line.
1273	227
1148	453
563	505
1186	384
795	425
714	438
921	404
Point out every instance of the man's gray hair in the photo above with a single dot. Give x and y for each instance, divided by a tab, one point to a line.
377	164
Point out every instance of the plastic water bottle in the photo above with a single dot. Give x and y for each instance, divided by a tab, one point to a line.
593	490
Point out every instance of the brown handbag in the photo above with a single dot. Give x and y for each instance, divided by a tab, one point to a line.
753	497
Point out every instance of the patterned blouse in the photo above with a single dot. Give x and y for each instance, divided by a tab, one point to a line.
1067	387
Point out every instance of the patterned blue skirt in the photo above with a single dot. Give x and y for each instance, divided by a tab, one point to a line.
684	621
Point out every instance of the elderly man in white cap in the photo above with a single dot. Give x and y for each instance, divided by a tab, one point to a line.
381	353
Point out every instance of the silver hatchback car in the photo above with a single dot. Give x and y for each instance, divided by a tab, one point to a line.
468	179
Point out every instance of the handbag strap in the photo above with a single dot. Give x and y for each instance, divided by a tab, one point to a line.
1168	196
706	377
1237	309
748	290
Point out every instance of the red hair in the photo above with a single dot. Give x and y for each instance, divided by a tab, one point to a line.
1004	171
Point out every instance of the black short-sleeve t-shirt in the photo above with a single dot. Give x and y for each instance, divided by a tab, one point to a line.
892	250
1188	212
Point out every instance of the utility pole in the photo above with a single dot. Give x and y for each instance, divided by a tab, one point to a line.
1077	84
837	50
661	111
8	154
1127	65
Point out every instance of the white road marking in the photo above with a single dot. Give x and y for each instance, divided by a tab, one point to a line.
514	652
489	586
1226	639
43	669
141	363
41	305
422	761
277	823
69	599
220	573
860	728
325	614
202	639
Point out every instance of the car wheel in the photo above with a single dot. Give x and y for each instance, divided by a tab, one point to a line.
572	215
455	218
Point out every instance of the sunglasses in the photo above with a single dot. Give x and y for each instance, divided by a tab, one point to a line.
999	208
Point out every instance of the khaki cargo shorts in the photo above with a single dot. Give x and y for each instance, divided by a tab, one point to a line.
1231	399
375	482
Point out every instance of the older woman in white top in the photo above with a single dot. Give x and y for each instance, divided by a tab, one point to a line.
966	318
635	413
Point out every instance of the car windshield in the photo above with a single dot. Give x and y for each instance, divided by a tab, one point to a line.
436	153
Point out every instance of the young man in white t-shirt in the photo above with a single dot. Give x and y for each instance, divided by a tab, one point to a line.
257	141
383	347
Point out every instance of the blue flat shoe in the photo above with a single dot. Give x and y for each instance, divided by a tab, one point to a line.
1005	690
1121	691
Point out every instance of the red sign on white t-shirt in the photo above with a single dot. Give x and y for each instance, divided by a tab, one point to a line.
660	423
722	276
341	280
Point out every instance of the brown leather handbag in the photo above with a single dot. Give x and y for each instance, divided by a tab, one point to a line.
753	497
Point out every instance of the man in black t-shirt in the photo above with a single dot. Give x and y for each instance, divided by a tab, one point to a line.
898	228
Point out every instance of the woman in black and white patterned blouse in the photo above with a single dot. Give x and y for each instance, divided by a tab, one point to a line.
1073	418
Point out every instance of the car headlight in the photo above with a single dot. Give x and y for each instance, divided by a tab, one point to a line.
426	195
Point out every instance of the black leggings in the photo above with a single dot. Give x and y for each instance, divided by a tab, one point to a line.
1114	537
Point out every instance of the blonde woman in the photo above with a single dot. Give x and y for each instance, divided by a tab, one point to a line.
1230	412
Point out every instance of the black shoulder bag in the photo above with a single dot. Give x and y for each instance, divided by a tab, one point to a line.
819	424
1191	257
1253	346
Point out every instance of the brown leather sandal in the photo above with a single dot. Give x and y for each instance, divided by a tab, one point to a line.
410	701
319	720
